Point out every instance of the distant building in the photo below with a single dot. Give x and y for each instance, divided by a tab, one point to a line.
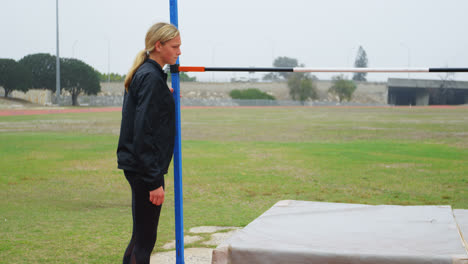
426	92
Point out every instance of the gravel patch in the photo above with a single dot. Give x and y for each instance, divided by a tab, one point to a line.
219	238
195	255
191	255
210	229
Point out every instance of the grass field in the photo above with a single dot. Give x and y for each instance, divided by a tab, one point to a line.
64	201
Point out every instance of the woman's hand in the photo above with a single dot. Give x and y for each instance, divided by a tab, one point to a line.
157	196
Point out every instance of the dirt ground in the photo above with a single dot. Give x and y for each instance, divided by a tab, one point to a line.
367	92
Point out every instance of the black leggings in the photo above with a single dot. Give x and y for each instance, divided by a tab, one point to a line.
145	222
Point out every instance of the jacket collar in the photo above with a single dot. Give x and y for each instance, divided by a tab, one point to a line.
158	67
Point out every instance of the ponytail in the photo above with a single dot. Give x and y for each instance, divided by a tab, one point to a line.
140	58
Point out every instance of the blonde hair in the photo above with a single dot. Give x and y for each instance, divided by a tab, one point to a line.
161	32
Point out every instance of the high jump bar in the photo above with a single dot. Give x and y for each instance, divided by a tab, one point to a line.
177	68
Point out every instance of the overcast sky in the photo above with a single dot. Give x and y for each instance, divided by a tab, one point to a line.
107	34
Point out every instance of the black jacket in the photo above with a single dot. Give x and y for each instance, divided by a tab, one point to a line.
147	131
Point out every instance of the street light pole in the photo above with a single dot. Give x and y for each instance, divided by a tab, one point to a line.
57	74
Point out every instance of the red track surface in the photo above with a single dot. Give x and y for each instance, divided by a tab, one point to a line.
118	109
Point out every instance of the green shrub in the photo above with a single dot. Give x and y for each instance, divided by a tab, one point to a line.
251	93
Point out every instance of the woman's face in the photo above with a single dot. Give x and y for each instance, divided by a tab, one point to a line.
170	51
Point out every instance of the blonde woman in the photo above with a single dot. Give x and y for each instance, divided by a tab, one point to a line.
147	134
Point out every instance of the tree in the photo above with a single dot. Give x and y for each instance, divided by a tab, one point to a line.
342	87
302	87
445	93
360	62
183	77
42	67
112	77
272	76
78	77
285	62
14	76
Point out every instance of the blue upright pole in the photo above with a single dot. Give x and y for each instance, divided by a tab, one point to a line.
178	198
